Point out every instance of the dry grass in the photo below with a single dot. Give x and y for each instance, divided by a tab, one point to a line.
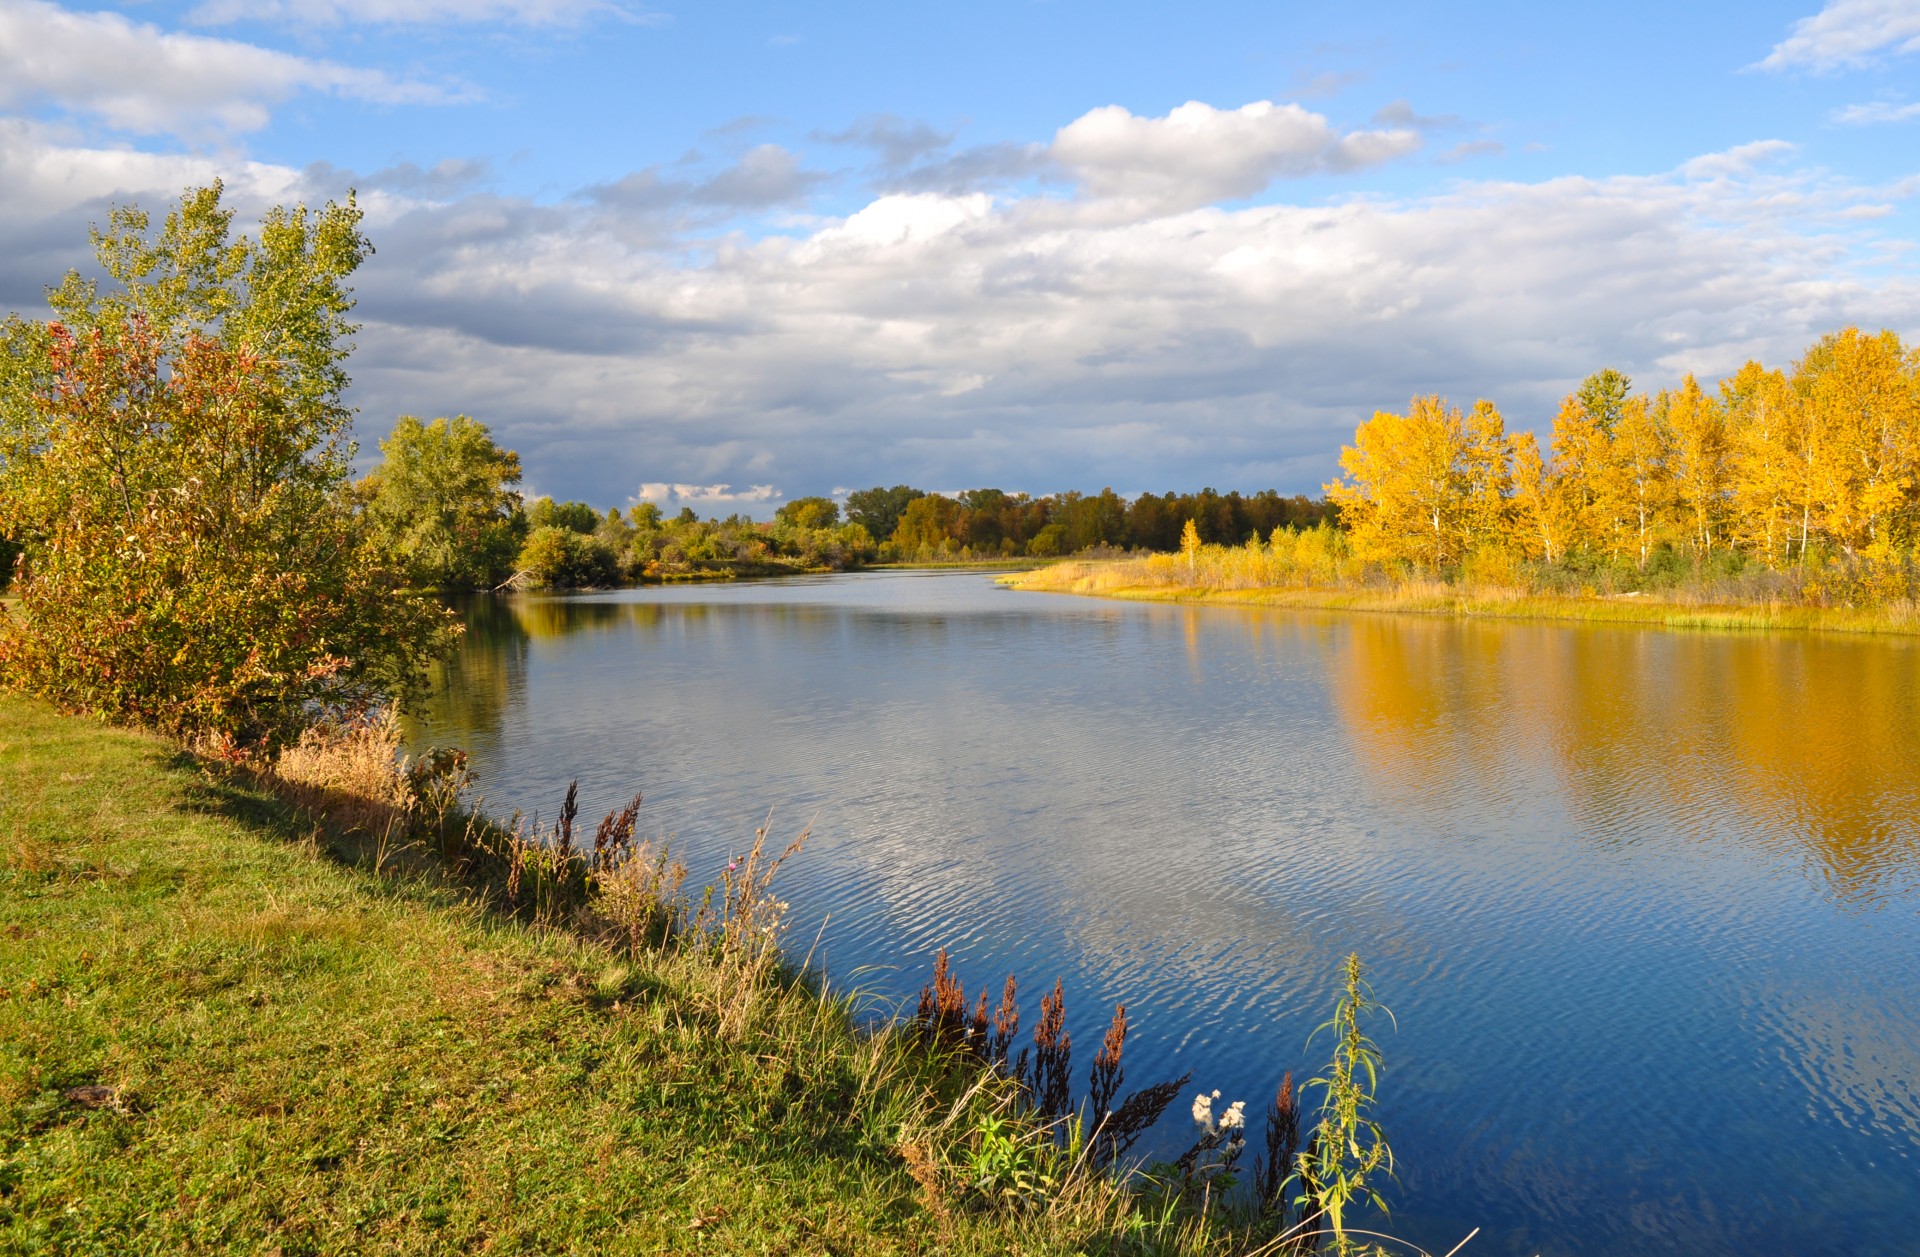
1325	579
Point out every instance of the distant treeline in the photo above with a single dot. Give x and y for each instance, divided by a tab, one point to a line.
443	499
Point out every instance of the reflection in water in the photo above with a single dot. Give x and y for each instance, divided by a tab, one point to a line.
1643	902
1792	742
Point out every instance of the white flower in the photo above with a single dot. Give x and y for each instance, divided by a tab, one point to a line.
1235	1118
1203	1111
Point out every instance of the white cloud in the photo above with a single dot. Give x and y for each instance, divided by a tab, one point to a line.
1027	340
709	497
1739	160
1877	111
1198	155
419	12
137	78
1848	33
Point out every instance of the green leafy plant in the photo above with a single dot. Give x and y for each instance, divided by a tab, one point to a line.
1010	1163
1349	1152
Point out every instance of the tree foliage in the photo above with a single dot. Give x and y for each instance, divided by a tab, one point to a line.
1817	469
173	464
443	501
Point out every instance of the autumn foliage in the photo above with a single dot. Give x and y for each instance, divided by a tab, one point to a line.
1817	470
173	462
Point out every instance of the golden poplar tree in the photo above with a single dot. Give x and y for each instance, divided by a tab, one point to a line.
1488	473
1405	489
1637	488
1858	395
1697	429
1541	515
1761	422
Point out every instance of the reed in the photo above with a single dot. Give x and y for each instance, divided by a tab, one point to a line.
1311	570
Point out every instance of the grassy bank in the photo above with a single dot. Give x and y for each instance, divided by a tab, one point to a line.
1163	578
226	1028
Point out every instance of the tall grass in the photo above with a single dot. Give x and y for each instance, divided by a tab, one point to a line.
1314	568
987	1129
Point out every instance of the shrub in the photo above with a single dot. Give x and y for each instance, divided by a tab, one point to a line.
560	558
173	461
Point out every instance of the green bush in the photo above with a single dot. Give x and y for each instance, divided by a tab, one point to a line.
173	462
560	558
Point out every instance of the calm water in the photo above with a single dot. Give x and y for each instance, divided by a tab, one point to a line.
1644	903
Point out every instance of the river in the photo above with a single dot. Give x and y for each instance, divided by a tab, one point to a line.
1642	902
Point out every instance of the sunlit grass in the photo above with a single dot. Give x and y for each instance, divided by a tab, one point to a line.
1325	580
316	1019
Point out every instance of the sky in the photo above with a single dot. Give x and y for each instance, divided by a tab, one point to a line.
731	254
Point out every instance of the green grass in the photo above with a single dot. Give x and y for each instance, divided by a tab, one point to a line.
307	1057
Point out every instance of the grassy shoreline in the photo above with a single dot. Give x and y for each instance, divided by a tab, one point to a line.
228	1028
237	1016
1108	579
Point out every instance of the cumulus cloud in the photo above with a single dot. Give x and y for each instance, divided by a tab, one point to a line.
137	78
1021	339
1848	33
1198	154
419	12
708	497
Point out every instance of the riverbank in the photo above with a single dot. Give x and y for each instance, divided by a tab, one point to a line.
228	1028
1135	580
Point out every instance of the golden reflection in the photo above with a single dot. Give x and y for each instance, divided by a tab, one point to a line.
1805	744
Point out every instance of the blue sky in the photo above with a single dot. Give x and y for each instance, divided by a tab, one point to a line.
736	253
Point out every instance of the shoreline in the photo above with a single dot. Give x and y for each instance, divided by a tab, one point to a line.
1081	579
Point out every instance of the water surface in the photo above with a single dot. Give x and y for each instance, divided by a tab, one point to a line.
1643	902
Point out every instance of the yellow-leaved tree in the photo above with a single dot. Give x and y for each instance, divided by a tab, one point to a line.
1761	423
1859	399
1404	495
1697	430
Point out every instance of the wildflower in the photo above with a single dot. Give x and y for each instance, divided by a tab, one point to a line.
1203	1111
1235	1118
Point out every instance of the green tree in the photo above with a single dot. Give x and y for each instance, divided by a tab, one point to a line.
442	499
173	461
562	558
879	510
544	512
1604	394
810	513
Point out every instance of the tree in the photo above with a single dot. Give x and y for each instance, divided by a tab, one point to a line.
173	461
442	500
564	558
1859	400
1698	429
578	517
879	510
1760	415
1489	479
926	523
1407	493
1540	511
809	513
1640	450
1603	395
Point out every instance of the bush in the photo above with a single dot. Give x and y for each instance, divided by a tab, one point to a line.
173	461
560	558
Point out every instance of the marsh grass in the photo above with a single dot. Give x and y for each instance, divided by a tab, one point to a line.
1310	571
